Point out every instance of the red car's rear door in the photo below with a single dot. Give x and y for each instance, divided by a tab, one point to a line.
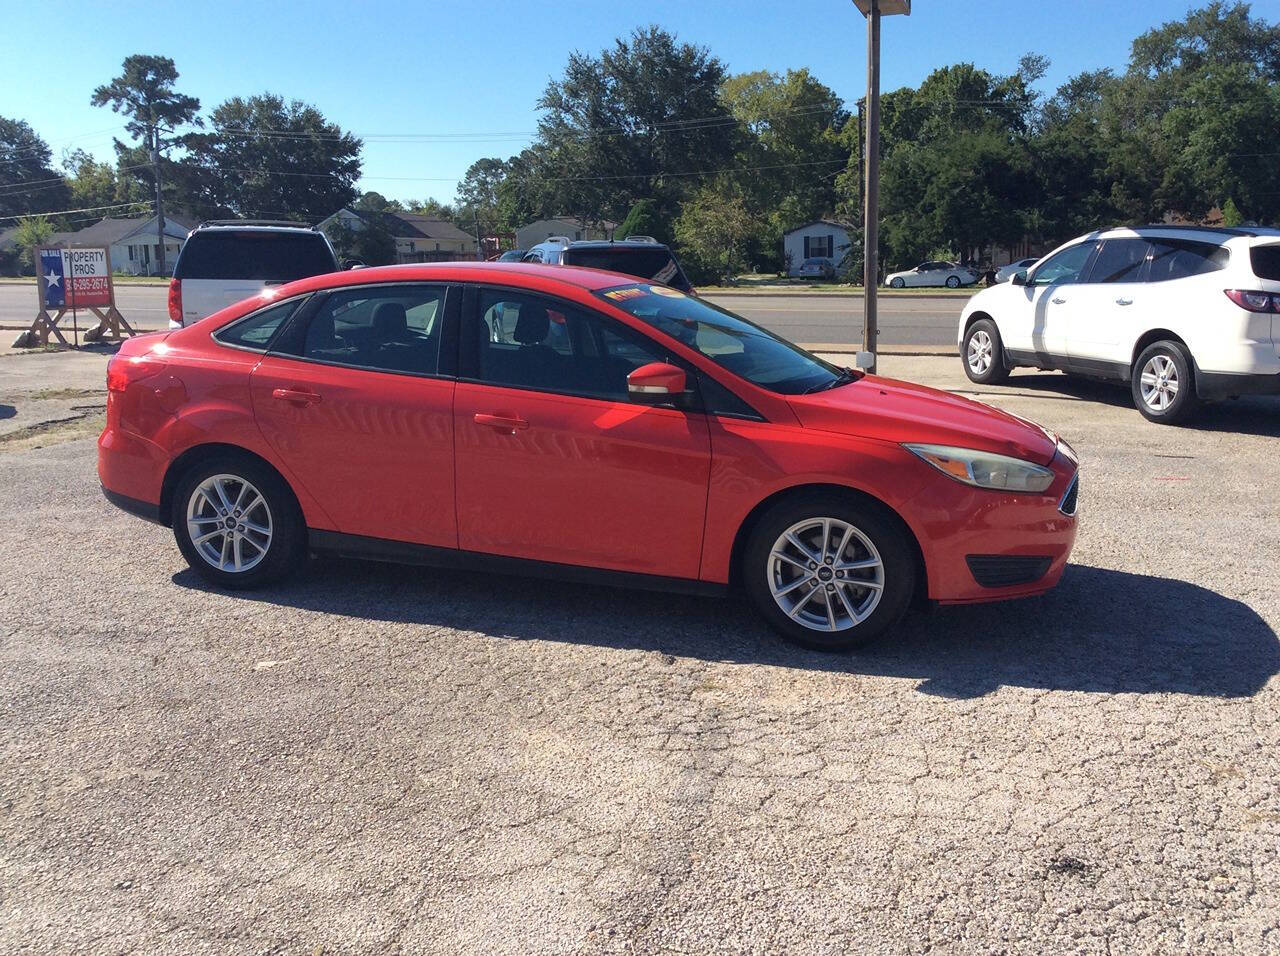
553	462
354	407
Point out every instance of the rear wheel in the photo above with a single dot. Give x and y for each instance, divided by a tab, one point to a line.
1163	383
953	282
983	354
237	523
828	572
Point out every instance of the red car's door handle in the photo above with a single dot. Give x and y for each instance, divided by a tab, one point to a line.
296	396
503	423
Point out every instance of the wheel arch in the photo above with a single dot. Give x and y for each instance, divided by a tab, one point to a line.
753	517
202	452
977	316
1151	337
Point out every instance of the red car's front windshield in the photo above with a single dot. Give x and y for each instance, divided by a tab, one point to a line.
733	343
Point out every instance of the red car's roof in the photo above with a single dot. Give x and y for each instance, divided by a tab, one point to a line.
589	279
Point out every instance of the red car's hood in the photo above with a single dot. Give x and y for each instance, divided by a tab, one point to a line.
883	408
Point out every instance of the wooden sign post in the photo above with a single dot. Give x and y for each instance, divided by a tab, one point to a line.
78	277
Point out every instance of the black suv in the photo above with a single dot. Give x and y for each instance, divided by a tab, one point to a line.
639	256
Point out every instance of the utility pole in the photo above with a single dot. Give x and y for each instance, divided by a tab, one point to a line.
155	170
873	10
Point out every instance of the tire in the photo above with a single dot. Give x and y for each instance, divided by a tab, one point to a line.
982	354
772	562
197	510
953	282
897	283
1163	383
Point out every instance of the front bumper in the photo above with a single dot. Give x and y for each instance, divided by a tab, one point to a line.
1032	533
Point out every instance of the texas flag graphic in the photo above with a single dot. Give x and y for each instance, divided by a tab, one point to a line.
53	278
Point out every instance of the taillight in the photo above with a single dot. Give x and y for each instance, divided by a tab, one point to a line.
1254	301
175	300
124	370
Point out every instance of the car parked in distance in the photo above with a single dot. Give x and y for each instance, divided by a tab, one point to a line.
1181	314
225	261
1005	273
640	256
817	268
933	273
602	429
511	255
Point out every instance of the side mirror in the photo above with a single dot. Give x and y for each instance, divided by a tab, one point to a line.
352	264
1018	278
656	383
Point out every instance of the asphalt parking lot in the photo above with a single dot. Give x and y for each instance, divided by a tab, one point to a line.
385	758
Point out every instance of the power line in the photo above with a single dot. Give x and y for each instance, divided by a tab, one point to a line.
62	212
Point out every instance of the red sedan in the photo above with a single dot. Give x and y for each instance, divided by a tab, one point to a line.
564	421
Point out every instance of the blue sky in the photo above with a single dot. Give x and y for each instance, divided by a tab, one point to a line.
467	75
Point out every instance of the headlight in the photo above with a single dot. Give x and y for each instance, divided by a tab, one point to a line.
984	469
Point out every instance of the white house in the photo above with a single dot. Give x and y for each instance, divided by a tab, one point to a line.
134	243
543	229
821	239
418	238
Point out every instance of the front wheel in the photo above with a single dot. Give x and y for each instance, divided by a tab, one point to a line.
983	354
1163	383
897	283
237	523
829	573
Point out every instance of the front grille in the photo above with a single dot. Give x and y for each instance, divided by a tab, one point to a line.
1006	570
1068	503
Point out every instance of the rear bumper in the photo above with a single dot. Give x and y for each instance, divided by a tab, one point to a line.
131	471
1212	385
135	506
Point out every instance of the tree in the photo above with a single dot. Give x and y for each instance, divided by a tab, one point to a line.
478	193
373	242
433	209
376	202
644	220
641	120
266	158
33	231
144	93
712	230
29	183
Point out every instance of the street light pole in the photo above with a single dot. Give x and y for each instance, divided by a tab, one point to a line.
872	10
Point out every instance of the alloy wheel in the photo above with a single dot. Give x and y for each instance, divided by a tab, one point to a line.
825	574
1159	383
980	352
229	523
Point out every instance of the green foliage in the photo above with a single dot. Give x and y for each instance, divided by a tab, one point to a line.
144	93
304	170
30	183
34	231
620	126
373	242
712	232
644	219
1231	215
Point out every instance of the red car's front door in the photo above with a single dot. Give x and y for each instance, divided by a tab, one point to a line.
358	417
553	462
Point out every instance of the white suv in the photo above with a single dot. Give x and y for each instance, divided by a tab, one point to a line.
227	260
1180	313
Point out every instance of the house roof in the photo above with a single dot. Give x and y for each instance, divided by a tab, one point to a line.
409	225
820	222
111	231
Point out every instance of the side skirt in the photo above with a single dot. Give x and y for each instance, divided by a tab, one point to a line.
404	552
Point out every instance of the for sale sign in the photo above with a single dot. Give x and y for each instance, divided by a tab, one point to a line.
75	278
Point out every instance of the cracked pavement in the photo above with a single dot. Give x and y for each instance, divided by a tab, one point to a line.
380	758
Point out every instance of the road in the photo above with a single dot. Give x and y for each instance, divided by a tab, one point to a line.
371	758
807	317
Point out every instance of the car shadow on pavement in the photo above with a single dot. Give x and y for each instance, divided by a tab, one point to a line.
1099	631
1247	415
